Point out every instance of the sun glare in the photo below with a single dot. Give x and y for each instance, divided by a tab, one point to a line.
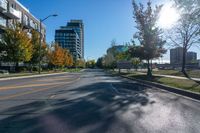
168	16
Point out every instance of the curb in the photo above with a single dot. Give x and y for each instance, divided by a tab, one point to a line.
32	76
179	91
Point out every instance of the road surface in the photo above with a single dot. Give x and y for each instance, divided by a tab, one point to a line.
93	102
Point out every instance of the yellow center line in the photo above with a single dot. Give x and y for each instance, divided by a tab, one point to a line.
53	79
34	91
28	85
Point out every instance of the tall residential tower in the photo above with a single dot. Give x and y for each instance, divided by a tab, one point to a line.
71	37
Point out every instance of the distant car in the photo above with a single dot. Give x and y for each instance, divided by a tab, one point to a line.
4	72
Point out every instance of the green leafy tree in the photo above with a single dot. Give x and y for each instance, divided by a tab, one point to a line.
114	54
136	62
90	64
99	62
121	56
80	63
148	34
17	44
35	40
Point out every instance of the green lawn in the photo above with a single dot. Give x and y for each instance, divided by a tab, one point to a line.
36	73
179	83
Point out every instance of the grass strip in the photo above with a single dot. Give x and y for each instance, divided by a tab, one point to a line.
20	74
185	84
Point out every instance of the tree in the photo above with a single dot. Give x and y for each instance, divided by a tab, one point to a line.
17	44
80	63
109	60
35	40
57	56
124	55
90	64
187	30
149	35
136	62
68	59
99	62
114	54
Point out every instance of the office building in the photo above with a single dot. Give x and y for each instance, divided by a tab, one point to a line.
191	57
71	37
176	56
12	11
199	63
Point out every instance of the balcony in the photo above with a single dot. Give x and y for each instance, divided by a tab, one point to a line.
32	24
26	22
13	14
3	5
2	22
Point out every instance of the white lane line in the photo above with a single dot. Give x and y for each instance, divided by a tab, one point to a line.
52	96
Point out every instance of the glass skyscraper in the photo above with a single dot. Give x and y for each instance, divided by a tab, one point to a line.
71	37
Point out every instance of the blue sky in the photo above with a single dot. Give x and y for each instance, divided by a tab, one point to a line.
104	20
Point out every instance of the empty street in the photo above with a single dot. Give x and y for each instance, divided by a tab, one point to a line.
93	101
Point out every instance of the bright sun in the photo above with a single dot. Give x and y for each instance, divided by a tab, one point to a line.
168	16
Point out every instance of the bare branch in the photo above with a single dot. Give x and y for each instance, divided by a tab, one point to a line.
175	43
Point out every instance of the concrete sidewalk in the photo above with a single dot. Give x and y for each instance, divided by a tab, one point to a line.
176	77
171	76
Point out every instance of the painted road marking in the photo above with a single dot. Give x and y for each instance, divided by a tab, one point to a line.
33	81
28	85
35	91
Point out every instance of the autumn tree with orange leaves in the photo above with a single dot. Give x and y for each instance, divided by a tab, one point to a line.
60	57
68	59
57	56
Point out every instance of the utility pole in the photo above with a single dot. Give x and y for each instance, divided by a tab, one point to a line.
40	30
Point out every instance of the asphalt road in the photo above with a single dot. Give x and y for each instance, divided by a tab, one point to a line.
93	102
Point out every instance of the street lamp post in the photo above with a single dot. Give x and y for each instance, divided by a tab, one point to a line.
42	20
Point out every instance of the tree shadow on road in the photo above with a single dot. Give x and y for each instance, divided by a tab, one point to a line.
90	109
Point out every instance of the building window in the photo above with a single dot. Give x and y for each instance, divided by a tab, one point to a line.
2	22
25	20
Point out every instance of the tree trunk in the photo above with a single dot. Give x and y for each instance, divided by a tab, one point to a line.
149	72
31	67
17	67
184	62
